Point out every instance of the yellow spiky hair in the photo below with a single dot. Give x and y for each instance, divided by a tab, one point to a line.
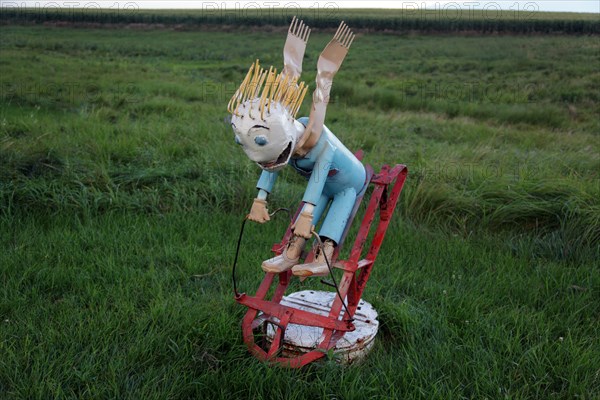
271	88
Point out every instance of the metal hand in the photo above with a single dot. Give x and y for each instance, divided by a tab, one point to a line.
328	65
330	61
259	212
303	225
295	45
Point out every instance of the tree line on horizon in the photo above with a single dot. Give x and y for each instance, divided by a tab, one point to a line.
397	22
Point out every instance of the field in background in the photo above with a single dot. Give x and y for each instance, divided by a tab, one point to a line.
122	190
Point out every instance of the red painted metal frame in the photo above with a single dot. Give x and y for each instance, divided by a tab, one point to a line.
387	185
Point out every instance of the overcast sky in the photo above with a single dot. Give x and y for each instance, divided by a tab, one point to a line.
587	6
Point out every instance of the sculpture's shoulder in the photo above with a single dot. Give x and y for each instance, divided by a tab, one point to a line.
303	121
327	137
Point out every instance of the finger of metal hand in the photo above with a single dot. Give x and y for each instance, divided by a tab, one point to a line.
348	38
299	29
339	31
306	33
344	35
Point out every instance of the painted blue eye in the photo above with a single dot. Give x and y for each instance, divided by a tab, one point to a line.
261	140
237	140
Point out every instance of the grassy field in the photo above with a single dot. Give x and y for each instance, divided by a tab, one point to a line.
122	191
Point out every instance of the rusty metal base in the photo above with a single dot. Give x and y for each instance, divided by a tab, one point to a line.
301	339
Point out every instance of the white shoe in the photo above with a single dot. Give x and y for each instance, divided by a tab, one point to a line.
319	266
288	258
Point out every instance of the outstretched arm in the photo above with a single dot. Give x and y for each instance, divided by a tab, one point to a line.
295	45
259	212
328	65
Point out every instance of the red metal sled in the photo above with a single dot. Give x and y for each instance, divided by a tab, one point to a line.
387	185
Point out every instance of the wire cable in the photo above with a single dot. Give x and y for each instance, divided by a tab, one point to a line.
337	289
239	242
237	252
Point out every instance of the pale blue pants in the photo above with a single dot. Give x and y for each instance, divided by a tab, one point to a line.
339	212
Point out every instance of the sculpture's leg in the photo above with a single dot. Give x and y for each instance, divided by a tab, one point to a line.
320	208
338	215
292	252
331	231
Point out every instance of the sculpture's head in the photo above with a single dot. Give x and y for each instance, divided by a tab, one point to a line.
263	111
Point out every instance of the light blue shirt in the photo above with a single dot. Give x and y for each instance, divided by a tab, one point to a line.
329	167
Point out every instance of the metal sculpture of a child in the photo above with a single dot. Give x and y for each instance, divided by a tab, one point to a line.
263	119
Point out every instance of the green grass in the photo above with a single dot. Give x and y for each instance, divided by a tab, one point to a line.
135	306
122	191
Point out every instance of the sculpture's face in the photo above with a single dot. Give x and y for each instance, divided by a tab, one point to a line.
270	141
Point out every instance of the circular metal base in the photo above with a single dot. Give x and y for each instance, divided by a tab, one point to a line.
350	348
